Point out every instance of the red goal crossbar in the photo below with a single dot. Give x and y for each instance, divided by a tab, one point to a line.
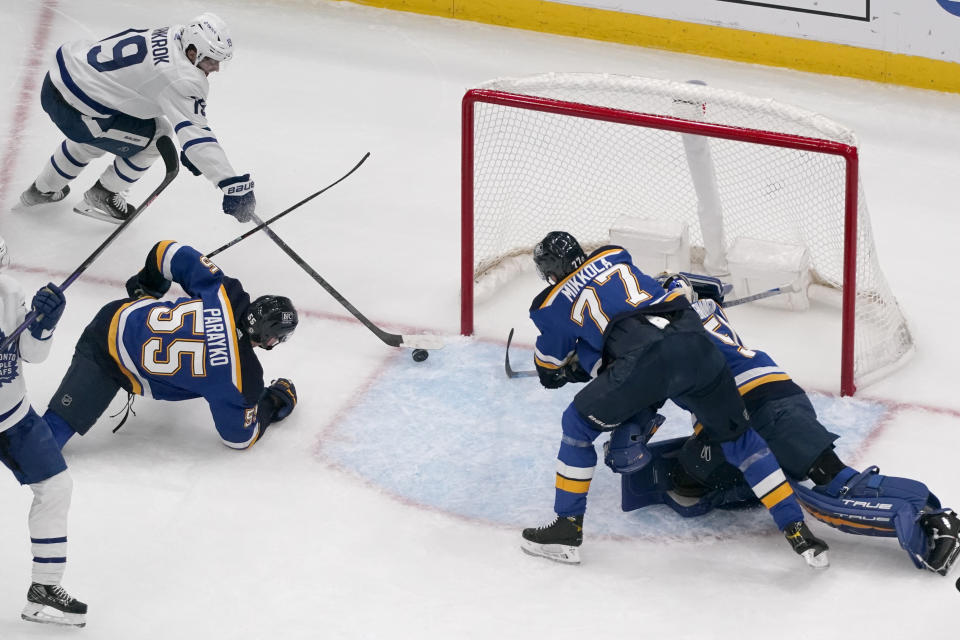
678	125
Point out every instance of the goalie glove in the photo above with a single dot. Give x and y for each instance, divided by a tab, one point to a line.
282	395
704	287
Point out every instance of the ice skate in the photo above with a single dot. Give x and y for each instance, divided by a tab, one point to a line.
104	205
33	196
559	541
50	604
942	527
808	546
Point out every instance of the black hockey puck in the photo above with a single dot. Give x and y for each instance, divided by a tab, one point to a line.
958	584
419	355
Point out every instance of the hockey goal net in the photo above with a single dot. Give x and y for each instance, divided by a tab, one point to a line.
575	152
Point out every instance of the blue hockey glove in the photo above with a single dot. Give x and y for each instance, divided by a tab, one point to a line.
137	288
49	303
283	395
185	161
238	199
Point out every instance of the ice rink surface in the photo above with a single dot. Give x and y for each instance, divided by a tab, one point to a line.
390	503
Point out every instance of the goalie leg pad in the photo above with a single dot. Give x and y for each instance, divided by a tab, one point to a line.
872	504
626	451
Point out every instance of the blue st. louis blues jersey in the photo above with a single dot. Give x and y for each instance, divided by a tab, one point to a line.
190	347
758	377
573	315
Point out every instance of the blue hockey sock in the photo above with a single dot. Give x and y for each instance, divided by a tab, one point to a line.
61	430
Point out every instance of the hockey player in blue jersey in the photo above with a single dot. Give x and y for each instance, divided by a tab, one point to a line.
604	322
28	449
118	96
862	503
198	346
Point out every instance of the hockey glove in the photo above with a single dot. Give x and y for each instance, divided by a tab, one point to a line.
238	199
137	288
49	303
283	395
556	378
185	161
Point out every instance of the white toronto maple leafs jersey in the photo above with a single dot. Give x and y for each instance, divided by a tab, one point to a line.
13	391
143	73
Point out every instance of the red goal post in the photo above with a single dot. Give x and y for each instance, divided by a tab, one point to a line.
559	151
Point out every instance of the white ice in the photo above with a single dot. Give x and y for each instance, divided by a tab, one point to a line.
390	503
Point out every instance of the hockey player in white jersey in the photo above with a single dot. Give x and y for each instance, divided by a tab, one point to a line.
119	95
28	449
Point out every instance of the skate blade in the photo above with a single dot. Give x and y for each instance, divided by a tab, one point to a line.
23	205
562	553
33	612
820	561
91	212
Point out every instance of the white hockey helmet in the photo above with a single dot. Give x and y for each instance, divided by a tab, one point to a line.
210	36
4	256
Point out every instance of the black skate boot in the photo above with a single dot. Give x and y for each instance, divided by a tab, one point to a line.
33	196
558	540
808	546
104	205
50	604
942	527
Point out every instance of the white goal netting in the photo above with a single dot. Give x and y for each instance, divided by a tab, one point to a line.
578	151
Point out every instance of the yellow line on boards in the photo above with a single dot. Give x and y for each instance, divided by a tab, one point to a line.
698	39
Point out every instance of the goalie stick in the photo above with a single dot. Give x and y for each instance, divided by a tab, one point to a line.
263	225
172	166
529	373
391	339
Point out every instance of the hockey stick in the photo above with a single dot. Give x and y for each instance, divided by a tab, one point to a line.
511	373
391	339
769	293
790	288
263	225
172	165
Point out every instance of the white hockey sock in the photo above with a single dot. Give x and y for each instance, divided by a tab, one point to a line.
66	163
48	527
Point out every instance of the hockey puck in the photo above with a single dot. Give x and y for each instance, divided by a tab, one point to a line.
958	584
419	355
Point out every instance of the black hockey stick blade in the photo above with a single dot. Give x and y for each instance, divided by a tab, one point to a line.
769	293
172	167
390	339
263	225
511	373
